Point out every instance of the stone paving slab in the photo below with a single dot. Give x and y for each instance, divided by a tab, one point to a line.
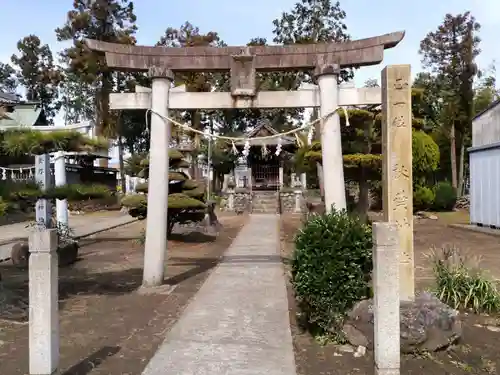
238	323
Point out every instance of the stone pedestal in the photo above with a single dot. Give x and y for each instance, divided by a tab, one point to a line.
303	181
298	201
331	147
386	298
397	167
156	225
60	180
43	303
249	179
225	182
230	200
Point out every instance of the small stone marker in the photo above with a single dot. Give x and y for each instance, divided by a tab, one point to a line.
43	302
386	254
397	167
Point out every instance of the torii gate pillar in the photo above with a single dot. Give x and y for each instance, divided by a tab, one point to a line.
156	227
331	144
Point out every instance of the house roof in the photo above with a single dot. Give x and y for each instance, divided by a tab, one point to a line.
8	98
24	114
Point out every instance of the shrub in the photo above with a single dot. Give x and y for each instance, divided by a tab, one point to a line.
4	207
423	198
461	283
331	268
186	199
425	154
445	196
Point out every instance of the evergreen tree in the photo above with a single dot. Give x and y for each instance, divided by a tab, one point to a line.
486	92
106	20
313	21
38	73
189	35
8	82
450	52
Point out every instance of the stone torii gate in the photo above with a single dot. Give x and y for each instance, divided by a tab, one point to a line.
325	60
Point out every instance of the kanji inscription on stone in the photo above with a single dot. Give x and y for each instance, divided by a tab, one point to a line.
243	74
43	207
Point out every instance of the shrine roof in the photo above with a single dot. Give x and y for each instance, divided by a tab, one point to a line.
264	129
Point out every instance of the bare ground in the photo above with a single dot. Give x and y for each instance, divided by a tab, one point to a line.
107	327
476	354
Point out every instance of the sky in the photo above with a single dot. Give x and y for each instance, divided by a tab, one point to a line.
237	21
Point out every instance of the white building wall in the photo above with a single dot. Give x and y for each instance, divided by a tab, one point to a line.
486	127
485	187
484	161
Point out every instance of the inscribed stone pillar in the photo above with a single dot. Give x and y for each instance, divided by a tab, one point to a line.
43	207
397	167
331	146
281	176
156	226
43	302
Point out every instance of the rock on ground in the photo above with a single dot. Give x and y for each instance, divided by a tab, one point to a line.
426	325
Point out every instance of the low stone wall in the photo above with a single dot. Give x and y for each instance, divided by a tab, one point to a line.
288	202
241	201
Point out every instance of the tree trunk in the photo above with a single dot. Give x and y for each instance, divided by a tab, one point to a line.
103	118
460	190
363	205
196	124
317	137
319	168
453	156
123	185
213	183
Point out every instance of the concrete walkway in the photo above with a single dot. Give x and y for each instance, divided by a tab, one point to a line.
238	323
82	226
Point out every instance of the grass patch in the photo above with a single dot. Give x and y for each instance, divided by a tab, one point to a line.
461	283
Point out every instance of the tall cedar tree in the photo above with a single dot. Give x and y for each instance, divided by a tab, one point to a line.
189	35
313	21
8	82
450	53
78	100
38	74
107	20
486	92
